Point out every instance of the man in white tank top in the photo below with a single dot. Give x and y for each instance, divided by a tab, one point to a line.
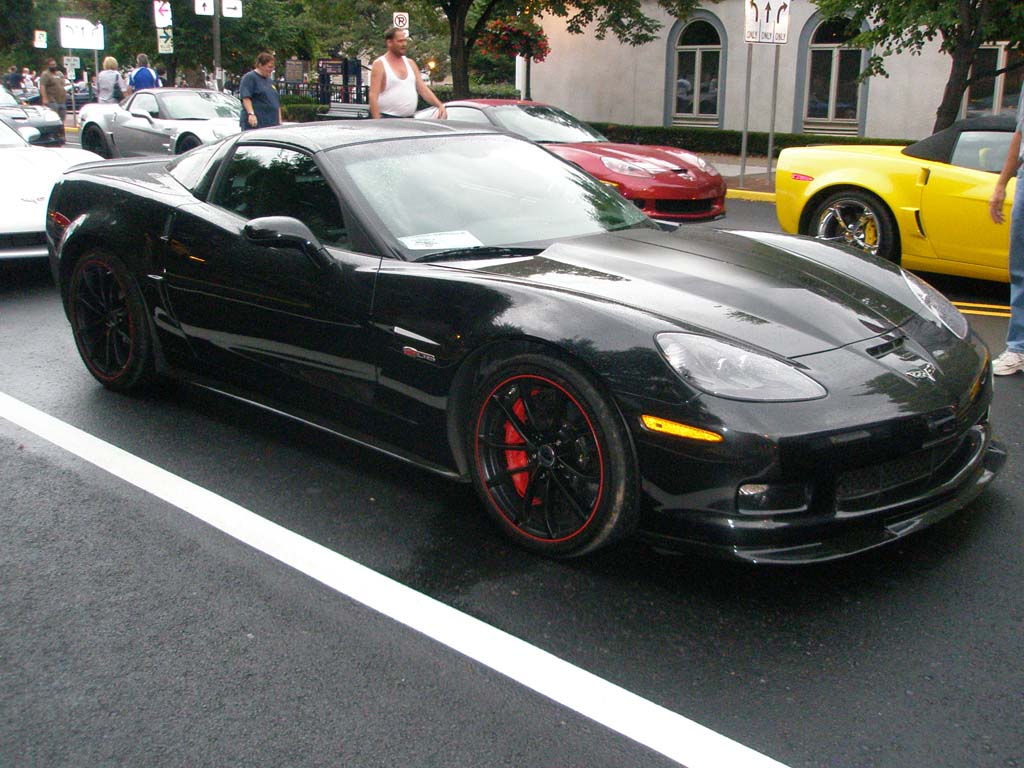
395	81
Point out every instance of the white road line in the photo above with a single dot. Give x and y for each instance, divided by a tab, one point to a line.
660	729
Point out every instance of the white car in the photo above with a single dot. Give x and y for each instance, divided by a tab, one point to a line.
29	173
159	121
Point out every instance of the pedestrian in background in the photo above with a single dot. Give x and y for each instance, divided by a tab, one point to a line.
110	86
1012	360
52	89
260	101
143	76
395	82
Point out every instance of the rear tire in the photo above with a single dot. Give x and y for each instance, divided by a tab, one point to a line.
108	320
188	142
551	459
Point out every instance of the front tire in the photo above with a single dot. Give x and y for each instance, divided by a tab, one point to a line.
551	459
858	219
93	141
108	320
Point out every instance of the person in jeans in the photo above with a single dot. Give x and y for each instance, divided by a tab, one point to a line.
52	90
1012	360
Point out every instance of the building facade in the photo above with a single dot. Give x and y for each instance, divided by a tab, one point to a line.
695	74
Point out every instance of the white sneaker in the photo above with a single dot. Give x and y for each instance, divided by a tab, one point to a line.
1009	362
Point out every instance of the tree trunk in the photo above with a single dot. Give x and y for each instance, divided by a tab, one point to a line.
963	56
459	54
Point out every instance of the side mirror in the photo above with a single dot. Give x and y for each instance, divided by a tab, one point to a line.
29	134
285	232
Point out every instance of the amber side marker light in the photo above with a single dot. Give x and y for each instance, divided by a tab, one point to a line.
676	429
802	177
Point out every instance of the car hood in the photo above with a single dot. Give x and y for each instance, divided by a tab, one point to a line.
23	205
792	296
655	159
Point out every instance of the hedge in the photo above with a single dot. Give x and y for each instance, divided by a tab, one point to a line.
723	142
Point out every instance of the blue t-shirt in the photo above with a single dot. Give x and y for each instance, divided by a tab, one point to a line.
265	101
142	77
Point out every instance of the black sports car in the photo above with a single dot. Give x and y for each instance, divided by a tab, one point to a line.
463	300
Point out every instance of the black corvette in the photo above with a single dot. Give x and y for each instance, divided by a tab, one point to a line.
465	301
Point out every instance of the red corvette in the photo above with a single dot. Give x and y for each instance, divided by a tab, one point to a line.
665	182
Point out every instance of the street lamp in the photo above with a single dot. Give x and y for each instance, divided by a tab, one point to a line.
430	75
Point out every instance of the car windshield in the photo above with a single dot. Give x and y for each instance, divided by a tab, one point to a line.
461	192
10	137
199	105
7	98
543	124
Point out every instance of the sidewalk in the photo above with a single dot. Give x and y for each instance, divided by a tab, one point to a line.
756	184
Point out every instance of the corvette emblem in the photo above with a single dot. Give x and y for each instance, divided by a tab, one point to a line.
926	371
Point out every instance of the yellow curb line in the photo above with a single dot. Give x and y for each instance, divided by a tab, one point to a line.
749	194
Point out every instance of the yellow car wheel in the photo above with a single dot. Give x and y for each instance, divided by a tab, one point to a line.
857	219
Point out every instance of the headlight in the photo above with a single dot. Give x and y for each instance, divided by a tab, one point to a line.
726	370
699	161
625	168
938	305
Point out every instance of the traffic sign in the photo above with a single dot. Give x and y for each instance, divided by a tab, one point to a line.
80	33
767	23
162	13
40	39
165	40
72	62
231	8
400	20
204	7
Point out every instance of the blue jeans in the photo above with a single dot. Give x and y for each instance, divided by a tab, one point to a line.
1015	333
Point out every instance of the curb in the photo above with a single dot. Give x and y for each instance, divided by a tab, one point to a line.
749	194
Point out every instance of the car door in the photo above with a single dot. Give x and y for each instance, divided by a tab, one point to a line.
138	129
274	319
954	204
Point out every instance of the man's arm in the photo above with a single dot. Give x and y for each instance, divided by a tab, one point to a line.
426	94
995	203
378	79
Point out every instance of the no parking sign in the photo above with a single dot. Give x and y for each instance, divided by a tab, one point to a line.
400	20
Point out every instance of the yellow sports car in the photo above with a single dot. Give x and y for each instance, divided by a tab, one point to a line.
924	206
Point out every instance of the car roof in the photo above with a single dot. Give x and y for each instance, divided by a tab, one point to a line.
494	103
329	134
939	146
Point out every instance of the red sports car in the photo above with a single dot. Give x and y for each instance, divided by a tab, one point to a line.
665	182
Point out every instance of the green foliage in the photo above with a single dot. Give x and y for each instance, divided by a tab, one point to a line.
301	112
715	141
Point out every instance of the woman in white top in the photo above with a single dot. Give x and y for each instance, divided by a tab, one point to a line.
106	80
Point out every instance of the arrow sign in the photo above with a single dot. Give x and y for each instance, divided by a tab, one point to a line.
161	13
204	7
165	40
232	8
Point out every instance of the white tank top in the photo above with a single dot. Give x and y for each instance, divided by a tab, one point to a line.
399	96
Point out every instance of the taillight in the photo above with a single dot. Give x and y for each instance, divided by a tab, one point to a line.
60	221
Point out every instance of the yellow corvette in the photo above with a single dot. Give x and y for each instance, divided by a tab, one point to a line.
924	206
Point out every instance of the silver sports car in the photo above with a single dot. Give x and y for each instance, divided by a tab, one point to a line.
159	121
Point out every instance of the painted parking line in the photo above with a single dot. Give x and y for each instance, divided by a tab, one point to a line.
984	310
678	738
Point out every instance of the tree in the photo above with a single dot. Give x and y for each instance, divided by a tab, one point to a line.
962	26
467	20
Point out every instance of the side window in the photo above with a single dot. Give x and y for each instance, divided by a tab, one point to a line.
468	114
145	102
982	150
271	181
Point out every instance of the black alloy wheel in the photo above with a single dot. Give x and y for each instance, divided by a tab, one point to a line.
188	142
93	141
107	317
858	219
552	460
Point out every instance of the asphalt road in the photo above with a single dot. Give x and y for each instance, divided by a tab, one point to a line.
133	634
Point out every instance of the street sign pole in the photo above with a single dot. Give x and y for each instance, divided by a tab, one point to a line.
217	71
771	124
746	115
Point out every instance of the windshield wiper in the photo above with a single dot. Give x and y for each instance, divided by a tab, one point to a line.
481	251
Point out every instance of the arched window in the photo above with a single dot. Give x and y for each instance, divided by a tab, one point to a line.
697	74
994	94
833	93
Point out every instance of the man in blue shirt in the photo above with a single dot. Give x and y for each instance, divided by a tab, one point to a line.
142	76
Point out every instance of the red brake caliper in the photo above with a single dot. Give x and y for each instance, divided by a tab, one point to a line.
517	459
